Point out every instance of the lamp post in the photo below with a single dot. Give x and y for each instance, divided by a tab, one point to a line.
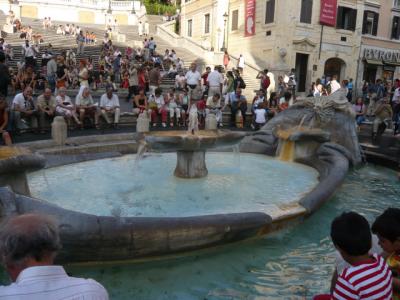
225	15
109	10
133	8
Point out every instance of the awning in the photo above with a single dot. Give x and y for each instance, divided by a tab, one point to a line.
374	62
391	63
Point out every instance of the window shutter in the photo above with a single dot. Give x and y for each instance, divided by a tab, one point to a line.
364	27
395	25
397	28
339	18
375	26
306	11
235	19
353	19
270	11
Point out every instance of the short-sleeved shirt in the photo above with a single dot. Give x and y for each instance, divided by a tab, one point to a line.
19	100
52	282
234	99
210	103
260	115
109	103
192	78
215	79
43	103
367	280
154	77
82	101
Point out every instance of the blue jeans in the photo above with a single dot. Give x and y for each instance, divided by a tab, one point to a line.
360	119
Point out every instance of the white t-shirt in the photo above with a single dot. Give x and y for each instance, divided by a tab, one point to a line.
19	100
210	103
215	79
334	86
52	282
396	95
260	115
109	103
241	62
192	78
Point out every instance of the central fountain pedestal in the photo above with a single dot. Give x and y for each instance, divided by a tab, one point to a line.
191	148
191	164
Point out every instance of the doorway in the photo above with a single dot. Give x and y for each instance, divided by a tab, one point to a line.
301	71
335	66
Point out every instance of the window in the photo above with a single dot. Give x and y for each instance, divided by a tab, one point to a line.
396	28
396	4
207	23
189	27
370	22
269	11
346	18
235	20
306	11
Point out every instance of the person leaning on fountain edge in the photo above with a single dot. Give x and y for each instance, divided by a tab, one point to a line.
28	247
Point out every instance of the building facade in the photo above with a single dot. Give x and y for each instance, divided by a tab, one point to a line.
284	34
380	44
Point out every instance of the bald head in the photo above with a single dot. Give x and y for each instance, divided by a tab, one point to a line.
29	237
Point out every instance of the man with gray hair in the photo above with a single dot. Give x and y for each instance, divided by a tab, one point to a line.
28	247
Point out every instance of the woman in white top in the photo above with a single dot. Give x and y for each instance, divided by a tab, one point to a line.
65	107
173	107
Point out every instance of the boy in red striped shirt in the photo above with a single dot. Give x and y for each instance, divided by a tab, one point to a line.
368	276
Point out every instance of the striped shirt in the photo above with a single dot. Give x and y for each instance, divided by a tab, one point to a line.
366	280
51	283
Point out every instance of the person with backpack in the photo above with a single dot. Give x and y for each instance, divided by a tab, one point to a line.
264	80
238	82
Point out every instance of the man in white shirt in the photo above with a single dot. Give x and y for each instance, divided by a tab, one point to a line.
24	111
334	84
109	105
193	79
28	247
215	81
29	54
213	106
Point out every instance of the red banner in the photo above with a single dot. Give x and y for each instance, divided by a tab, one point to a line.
250	18
328	12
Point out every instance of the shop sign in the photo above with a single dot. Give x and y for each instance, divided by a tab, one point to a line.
328	12
250	15
382	54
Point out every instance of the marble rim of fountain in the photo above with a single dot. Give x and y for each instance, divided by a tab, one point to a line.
138	237
184	141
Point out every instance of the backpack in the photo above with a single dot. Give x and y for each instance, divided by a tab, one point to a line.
242	84
265	82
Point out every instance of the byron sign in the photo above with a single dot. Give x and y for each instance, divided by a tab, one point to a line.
250	18
328	12
382	54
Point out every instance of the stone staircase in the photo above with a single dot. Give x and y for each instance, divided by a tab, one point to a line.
61	43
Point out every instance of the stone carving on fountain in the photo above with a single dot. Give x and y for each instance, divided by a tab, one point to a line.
322	119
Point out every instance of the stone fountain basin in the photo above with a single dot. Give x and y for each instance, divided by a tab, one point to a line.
185	141
90	238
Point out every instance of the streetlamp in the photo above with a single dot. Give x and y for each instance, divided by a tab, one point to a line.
133	8
109	10
225	15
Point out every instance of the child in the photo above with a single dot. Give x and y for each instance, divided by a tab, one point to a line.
368	276
201	109
260	113
387	228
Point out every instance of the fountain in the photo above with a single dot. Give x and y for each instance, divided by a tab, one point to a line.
191	147
151	213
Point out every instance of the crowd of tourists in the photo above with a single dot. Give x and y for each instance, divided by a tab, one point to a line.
140	71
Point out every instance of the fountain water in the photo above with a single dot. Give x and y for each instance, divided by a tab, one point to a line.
191	147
